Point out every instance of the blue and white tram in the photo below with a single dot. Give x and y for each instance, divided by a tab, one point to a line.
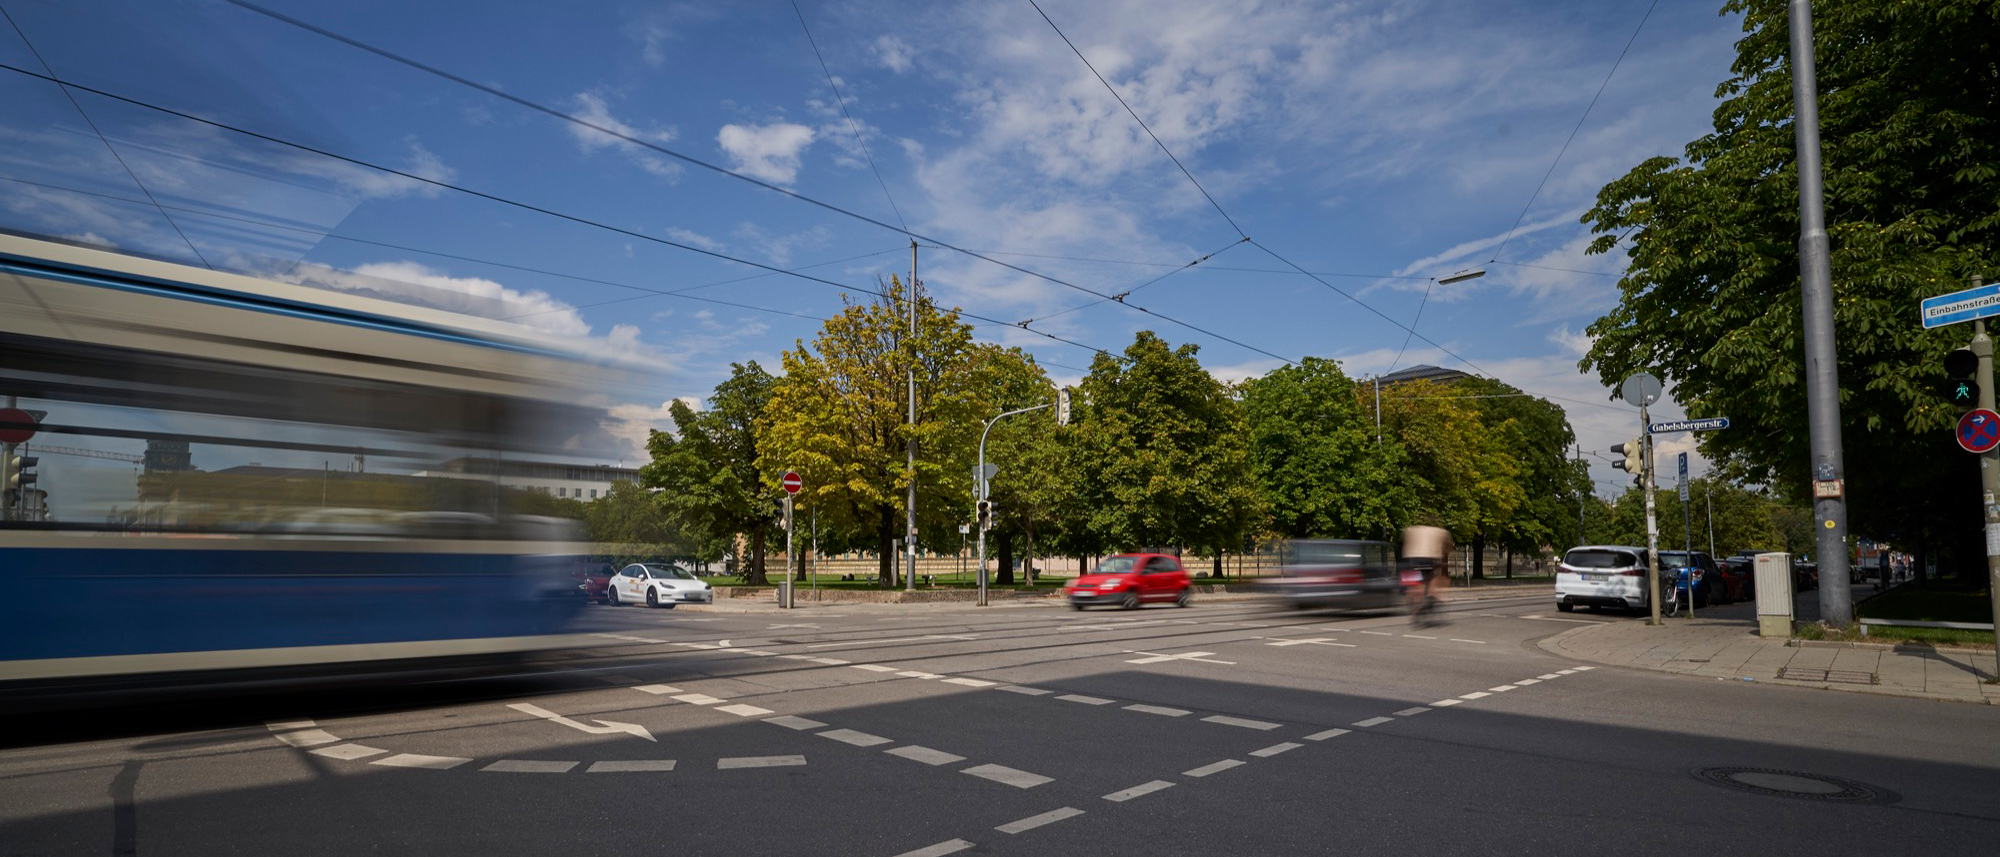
258	474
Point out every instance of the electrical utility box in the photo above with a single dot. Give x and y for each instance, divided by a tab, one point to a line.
1774	595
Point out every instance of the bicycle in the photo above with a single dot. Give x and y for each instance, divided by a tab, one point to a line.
1676	595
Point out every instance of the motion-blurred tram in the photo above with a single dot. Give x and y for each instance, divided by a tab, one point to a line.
228	473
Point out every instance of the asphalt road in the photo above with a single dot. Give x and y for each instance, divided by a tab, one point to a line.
1228	728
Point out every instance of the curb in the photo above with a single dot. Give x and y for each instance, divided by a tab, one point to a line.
1913	648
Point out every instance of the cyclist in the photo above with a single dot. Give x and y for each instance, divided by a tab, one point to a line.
1427	552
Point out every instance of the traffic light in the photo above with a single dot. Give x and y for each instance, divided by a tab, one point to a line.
19	476
1062	407
985	514
1634	451
1961	389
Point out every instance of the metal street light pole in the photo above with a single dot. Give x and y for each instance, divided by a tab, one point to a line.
980	487
1836	601
910	523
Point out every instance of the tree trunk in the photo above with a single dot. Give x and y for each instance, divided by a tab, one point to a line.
1479	558
1217	573
885	547
753	573
1510	562
1005	575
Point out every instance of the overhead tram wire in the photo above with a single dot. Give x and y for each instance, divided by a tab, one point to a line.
689	159
1573	132
1142	123
1211	267
1364	305
1413	327
106	140
1121	296
852	127
648	292
584	221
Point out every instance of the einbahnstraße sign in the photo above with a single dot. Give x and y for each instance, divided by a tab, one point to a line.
1974	303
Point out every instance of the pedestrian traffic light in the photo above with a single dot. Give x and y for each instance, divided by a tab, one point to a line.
1634	451
1961	389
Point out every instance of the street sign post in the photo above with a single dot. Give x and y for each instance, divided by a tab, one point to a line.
1979	430
1974	303
1706	424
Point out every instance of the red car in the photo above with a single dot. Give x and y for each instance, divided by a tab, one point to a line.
593	579
1131	579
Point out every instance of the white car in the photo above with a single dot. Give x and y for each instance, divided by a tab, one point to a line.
1595	576
657	584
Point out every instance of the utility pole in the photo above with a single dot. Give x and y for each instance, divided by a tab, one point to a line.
1652	522
1709	495
1582	495
1836	601
1989	471
910	527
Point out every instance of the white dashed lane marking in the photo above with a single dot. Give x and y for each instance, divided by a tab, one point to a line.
925	755
1411	711
1138	791
1214	768
657	689
630	766
1477	694
1446	703
744	710
1330	733
527	766
1275	749
849	736
699	699
1008	776
416	760
1034	821
1375	721
307	738
1086	700
1160	710
791	722
758	762
939	850
878	668
348	752
1028	691
1239	721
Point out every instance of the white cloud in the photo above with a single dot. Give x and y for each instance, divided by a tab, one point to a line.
893	53
778	249
591	107
693	238
769	152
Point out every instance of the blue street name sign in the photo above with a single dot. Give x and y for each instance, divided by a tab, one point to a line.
1967	305
1709	424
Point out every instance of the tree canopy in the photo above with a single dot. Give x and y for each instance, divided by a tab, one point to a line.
1711	301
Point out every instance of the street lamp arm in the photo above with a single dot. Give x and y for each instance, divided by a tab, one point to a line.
979	489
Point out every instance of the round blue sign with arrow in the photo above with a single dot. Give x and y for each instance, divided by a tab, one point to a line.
1979	430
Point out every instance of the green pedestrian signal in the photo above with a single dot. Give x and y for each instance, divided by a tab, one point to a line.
1963	394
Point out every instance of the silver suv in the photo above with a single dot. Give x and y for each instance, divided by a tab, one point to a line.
1602	576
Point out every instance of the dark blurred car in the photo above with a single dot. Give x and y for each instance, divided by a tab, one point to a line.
1708	585
1131	579
593	578
1741	574
1343	574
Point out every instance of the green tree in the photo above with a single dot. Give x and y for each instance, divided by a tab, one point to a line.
1027	488
839	418
1537	435
1158	455
1317	460
1468	472
629	526
707	472
1711	300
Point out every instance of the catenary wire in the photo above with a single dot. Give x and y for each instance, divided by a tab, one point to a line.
1142	123
1573	131
690	159
1121	296
852	127
106	141
648	292
584	221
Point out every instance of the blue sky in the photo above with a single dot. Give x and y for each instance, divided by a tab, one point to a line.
1378	143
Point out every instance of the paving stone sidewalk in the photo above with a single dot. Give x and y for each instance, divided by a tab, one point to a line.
1727	647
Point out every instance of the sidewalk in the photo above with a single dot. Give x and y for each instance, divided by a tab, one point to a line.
1723	643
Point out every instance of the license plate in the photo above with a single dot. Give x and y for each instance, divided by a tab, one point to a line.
1597	577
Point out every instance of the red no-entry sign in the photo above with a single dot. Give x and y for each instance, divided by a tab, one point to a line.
1979	430
792	482
23	429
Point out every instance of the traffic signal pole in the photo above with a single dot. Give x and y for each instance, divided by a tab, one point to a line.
1652	522
979	489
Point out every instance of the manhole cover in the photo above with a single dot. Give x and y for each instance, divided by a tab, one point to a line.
1798	784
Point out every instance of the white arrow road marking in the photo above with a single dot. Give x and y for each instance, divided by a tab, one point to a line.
1155	657
607	727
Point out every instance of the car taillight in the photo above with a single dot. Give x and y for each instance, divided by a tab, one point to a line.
1636	572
